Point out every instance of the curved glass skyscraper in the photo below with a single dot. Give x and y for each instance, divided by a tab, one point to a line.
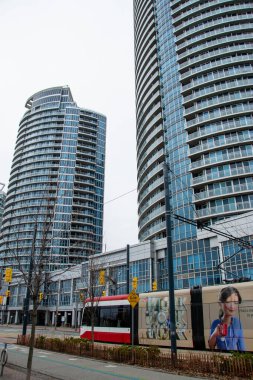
194	86
150	134
56	190
2	201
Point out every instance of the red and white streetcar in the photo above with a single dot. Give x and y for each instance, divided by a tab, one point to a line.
196	310
112	319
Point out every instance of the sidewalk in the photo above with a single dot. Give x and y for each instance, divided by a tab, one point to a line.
45	328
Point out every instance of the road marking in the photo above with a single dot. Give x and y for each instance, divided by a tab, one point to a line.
42	356
13	347
87	368
111	366
72	358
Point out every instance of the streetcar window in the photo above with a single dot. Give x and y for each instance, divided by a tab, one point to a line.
108	316
124	316
114	316
87	317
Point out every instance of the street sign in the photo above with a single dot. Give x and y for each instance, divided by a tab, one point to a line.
133	298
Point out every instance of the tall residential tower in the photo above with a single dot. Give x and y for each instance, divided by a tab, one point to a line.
2	202
56	182
194	87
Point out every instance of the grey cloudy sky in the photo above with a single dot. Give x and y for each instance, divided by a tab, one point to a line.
87	45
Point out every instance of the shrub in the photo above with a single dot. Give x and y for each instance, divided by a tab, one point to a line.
40	341
247	356
230	364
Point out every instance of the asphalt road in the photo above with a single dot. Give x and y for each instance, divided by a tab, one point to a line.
67	367
12	331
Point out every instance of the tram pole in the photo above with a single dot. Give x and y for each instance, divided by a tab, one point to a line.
170	265
127	268
27	298
132	328
29	280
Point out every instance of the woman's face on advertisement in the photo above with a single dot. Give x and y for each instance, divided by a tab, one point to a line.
230	306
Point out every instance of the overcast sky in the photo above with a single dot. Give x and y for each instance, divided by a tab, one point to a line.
87	45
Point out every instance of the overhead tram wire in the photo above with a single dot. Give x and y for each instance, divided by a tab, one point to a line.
220	265
240	241
224	221
120	196
244	243
200	225
182	183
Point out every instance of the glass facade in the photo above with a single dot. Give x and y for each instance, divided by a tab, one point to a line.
56	189
194	111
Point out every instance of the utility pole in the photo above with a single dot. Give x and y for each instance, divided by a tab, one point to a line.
128	267
76	309
57	304
27	298
170	265
29	281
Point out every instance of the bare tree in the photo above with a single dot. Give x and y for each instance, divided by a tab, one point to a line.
35	277
34	271
94	283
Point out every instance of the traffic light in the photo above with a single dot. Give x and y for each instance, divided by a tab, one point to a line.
81	297
103	293
1	300
8	293
154	285
8	275
135	283
41	296
102	277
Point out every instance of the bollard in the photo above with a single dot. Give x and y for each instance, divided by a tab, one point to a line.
3	358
